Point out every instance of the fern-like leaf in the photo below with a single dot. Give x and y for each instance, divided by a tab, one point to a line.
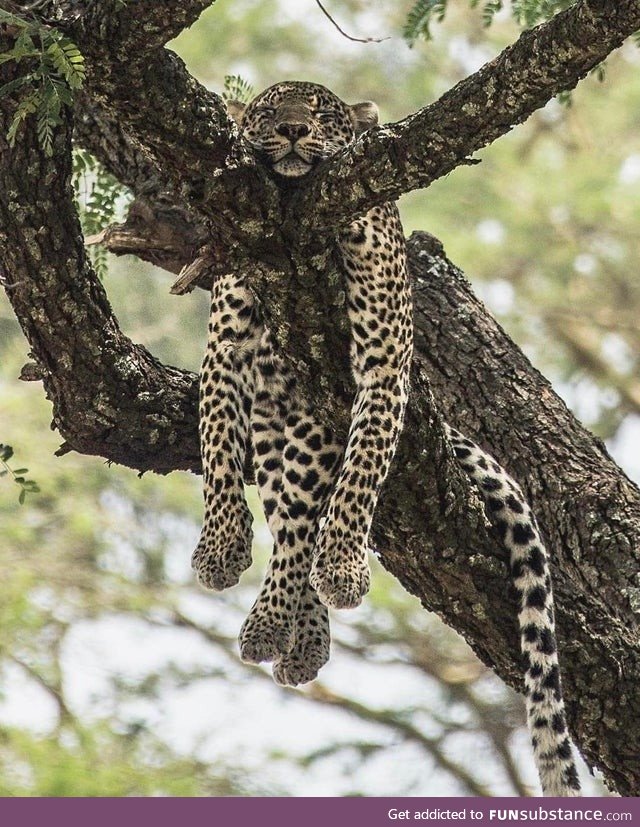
56	69
237	88
530	12
27	106
7	88
489	11
48	115
23	47
67	60
420	18
13	20
100	198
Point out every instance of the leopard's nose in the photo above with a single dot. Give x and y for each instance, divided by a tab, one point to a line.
293	130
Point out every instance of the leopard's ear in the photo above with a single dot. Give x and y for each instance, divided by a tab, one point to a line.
364	115
236	110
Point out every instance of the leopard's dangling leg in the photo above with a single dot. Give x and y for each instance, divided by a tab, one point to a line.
311	462
226	389
512	518
379	305
294	484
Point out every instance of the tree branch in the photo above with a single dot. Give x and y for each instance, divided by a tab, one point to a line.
185	130
431	745
400	157
129	29
110	397
179	127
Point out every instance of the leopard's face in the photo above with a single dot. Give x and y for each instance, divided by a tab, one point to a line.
295	125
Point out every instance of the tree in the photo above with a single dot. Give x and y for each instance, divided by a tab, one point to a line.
200	195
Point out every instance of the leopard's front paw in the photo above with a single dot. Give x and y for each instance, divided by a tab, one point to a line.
340	571
224	550
265	634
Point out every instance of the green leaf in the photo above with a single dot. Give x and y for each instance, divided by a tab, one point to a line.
67	60
489	11
27	106
21	497
25	45
17	56
99	196
419	19
13	20
237	88
58	71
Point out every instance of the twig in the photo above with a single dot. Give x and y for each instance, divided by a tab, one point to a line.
55	692
348	36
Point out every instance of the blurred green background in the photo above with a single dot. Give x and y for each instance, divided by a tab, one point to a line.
118	675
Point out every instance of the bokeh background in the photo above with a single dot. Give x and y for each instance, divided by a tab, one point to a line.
118	676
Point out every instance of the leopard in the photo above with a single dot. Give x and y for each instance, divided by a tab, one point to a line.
319	494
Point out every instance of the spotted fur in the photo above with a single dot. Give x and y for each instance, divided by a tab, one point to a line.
517	528
319	497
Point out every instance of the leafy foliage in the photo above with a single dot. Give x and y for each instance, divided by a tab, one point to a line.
419	19
529	12
18	474
55	69
489	9
98	195
525	12
237	88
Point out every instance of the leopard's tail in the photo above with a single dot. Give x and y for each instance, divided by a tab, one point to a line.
516	525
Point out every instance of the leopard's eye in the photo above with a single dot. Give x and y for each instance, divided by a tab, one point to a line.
324	115
264	109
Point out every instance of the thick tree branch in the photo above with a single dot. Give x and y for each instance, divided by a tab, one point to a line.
411	154
185	131
95	376
101	132
129	29
146	94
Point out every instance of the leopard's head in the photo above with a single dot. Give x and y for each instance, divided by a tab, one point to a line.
295	125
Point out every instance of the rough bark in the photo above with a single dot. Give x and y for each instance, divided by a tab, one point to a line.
97	379
186	133
413	153
112	398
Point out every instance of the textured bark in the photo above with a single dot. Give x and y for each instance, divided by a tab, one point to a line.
413	153
164	135
129	29
186	133
109	396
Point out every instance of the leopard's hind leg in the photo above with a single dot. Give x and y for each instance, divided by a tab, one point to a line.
310	651
295	462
